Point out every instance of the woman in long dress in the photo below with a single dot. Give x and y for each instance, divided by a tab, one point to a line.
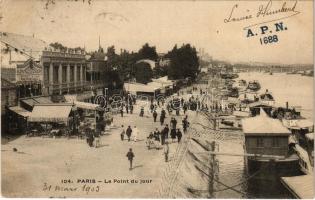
135	133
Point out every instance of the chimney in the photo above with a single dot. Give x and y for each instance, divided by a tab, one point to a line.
287	105
266	90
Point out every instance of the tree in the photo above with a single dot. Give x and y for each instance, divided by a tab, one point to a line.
147	52
184	62
111	54
143	72
57	45
159	71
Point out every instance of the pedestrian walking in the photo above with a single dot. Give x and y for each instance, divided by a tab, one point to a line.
135	134
177	112
166	130
122	133
154	115
173	135
173	123
185	108
90	139
122	111
127	108
163	137
166	151
150	141
151	107
142	111
97	139
128	133
156	135
185	124
179	135
130	155
131	109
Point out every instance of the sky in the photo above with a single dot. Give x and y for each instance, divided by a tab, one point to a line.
130	24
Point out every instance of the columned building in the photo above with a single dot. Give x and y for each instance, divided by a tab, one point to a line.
64	72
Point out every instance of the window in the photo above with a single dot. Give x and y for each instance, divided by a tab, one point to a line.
78	73
46	74
71	73
56	74
260	142
64	74
275	142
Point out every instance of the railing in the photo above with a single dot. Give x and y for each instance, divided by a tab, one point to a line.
63	55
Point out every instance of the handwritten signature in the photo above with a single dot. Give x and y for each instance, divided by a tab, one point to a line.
264	10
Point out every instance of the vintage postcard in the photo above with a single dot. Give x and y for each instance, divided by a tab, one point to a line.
157	99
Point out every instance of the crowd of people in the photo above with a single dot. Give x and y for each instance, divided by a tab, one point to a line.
159	138
159	110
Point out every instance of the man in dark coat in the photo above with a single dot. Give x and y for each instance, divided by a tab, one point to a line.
166	131
179	135
173	134
162	116
173	123
130	155
128	133
185	124
154	115
131	109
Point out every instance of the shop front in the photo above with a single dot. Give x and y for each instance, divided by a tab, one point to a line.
54	119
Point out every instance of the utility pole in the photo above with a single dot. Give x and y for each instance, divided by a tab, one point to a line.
212	170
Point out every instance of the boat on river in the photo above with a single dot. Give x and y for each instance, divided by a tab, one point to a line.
241	85
253	85
229	75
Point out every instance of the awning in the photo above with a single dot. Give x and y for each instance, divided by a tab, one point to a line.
300	186
50	113
138	87
88	106
31	102
78	97
84	96
36	100
43	100
20	111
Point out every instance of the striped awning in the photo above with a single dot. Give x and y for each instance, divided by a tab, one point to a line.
50	113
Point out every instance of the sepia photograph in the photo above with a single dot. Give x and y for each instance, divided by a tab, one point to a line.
157	99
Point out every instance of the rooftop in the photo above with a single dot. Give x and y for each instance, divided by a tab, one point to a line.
262	125
29	45
300	186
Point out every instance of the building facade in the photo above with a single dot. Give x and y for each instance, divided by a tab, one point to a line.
63	72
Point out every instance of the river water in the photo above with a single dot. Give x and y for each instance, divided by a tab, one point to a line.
292	88
295	89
